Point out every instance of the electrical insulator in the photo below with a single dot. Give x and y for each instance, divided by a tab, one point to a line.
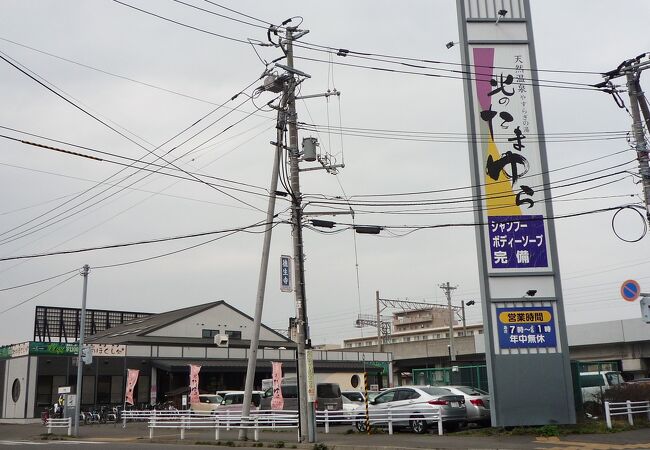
309	148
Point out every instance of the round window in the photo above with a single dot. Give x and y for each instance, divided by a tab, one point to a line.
15	390
354	381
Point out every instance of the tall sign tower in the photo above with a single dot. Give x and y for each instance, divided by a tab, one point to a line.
526	345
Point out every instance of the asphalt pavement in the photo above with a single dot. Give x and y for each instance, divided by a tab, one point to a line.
136	435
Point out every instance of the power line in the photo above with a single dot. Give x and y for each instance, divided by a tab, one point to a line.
102	152
122	77
460	72
239	12
131	244
229	38
145	168
414	228
264	27
117	131
460	137
345	52
37	295
38	281
162	255
474	186
470	198
150	152
435	75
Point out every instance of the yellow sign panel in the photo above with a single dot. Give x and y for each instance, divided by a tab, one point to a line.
525	317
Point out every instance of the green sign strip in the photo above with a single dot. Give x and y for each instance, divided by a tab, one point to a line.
53	348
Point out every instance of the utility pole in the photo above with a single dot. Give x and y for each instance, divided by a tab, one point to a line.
306	408
636	95
378	322
462	307
447	288
261	283
80	364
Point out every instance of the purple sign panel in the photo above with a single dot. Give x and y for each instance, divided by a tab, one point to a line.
526	327
517	242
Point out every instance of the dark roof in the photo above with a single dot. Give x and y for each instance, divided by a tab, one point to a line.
135	331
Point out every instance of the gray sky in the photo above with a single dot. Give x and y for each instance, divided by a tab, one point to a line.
577	36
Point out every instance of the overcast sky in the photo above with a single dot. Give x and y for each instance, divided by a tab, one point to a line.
54	201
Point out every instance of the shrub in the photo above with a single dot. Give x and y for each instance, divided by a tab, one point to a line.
635	392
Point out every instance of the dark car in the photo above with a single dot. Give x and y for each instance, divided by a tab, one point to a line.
328	397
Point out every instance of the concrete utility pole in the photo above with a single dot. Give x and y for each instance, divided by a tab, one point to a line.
462	306
261	283
378	322
452	349
82	327
636	96
306	408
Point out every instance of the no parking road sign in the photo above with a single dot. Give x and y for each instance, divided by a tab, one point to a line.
630	290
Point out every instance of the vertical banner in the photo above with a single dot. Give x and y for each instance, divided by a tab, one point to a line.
131	381
194	383
277	402
509	158
286	279
311	384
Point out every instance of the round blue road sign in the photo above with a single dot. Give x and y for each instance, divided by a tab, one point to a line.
630	290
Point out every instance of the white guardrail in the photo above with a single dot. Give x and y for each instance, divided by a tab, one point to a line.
183	420
59	423
627	408
388	418
273	420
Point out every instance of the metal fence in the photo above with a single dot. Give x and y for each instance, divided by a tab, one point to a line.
627	408
276	420
59	423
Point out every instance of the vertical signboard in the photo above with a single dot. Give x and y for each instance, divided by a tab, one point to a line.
286	280
311	383
525	331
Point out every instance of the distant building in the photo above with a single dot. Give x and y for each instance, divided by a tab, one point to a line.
161	346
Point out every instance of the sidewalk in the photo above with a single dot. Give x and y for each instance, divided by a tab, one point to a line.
343	438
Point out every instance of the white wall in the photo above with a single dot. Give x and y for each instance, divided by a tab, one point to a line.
16	368
629	330
220	317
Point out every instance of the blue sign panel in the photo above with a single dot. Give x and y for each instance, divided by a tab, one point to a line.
286	281
517	242
526	327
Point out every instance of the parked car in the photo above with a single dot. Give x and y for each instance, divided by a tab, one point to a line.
594	384
354	396
328	397
419	400
373	395
477	403
233	401
350	408
207	403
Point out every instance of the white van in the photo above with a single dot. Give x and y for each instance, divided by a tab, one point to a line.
594	384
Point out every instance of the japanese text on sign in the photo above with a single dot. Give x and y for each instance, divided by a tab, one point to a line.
517	242
526	327
510	162
286	281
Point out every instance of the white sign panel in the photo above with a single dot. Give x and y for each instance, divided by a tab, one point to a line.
311	384
108	350
510	168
